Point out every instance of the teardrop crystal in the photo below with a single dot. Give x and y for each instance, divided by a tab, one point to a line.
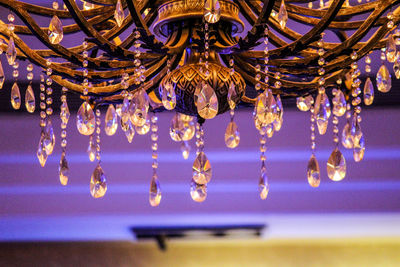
304	103
41	151
207	102
11	52
263	185
212	11
63	170
85	119
202	170
336	166
56	33
396	65
322	112
232	95
339	104
168	96
140	103
125	115
155	191
130	132
91	150
111	121
313	173
15	96
390	49
64	112
98	183
359	148
50	138
176	128
185	148
142	130
232	135
29	99
119	14
279	119
383	79
198	192
2	77
368	92
265	109
347	139
282	15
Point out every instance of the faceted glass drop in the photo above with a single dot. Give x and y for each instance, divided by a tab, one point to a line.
198	192
63	170
336	166
347	139
50	138
56	33
141	108
263	185
64	113
130	132
232	135
212	11
29	99
313	173
232	96
391	49
304	103
185	148
322	112
111	121
207	102
98	183
383	79
155	191
202	170
359	148
265	108
368	92
91	151
11	52
119	14
15	96
41	151
279	120
142	130
85	119
125	110
282	15
396	66
168	96
339	104
2	77
176	129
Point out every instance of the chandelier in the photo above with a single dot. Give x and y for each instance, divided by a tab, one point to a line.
201	59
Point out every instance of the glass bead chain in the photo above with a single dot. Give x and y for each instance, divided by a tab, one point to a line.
206	49
85	71
98	131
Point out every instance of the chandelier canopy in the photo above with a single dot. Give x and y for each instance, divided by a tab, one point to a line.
201	59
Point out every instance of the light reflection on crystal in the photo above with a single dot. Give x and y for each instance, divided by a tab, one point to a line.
11	52
142	130
212	11
202	171
168	96
56	33
85	119
383	79
304	103
185	148
119	15
63	170
49	137
322	112
140	104
263	185
390	49
347	139
155	191
232	135
91	151
29	99
64	113
279	120
368	92
265	109
2	76
41	151
282	15
207	102
111	121
336	166
339	104
232	96
313	173
198	192
130	131
98	183
15	96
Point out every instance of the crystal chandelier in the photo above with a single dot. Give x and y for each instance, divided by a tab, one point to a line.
201	59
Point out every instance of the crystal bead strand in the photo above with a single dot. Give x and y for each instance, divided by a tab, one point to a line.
263	185
41	151
313	171
64	115
12	61
85	71
30	101
98	181
390	23
155	189
232	135
206	48
49	132
369	93
202	171
266	55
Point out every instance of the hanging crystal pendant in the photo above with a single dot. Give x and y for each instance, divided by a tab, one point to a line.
391	49
56	33
155	191
98	183
125	115
141	108
339	104
2	77
176	129
304	103
263	185
368	92
119	14
29	99
85	119
383	79
111	121
347	139
63	170
185	148
11	52
212	11
279	120
142	130
322	112
282	15
232	96
64	113
198	192
168	96
396	66
15	96
232	135
91	151
50	138
41	151
130	132
265	109
202	170
313	173
336	166
359	147
207	102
